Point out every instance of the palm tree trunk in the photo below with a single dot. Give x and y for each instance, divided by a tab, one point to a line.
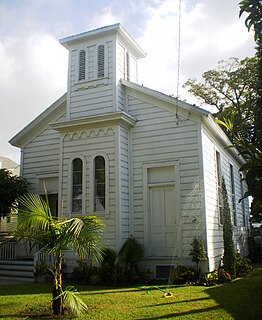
57	302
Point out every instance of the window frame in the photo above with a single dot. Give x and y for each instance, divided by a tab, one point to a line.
100	61
233	195
70	188
92	184
218	164
82	73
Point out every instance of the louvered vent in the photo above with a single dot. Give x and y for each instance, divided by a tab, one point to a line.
101	61
82	65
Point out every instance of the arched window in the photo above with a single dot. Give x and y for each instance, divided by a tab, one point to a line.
101	61
99	184
82	65
77	185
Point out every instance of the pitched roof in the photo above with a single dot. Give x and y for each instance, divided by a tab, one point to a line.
207	118
7	163
103	31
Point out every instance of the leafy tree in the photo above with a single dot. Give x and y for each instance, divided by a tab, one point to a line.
232	90
229	251
11	187
198	251
254	19
83	235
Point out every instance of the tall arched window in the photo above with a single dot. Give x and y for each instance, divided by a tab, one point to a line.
99	184
77	185
101	61
82	65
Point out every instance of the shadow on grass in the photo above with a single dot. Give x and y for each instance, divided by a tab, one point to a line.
242	297
184	314
24	288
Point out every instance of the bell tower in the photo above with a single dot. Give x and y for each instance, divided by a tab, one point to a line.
98	60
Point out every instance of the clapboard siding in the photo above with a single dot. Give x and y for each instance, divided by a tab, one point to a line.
214	229
93	95
87	146
41	155
157	137
124	183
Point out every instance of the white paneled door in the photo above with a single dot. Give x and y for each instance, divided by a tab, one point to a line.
162	220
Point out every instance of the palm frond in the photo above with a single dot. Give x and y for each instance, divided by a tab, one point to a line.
35	212
73	302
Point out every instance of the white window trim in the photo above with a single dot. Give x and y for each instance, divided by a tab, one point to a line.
92	176
70	185
233	194
77	65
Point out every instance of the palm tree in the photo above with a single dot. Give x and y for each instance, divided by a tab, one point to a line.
83	235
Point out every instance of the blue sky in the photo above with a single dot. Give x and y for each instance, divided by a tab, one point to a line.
33	65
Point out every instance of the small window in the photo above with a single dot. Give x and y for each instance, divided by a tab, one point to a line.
233	195
219	186
101	61
77	185
82	65
99	184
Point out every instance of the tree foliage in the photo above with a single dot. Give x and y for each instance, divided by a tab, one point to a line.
83	235
198	252
11	187
232	90
229	251
253	9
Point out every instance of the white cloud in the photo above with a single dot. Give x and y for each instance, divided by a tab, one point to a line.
34	65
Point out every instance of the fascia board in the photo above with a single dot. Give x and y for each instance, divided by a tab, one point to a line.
161	96
102	32
108	119
39	123
222	138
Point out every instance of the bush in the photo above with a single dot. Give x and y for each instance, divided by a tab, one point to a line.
243	265
108	267
182	274
84	273
219	275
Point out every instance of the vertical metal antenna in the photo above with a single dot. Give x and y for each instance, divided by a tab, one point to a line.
178	59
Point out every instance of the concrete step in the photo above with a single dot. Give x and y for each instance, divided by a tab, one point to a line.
19	270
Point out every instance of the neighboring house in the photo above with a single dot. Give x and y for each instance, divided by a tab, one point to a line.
6	163
7	224
146	163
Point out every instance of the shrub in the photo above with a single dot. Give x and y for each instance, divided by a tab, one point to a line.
84	273
219	275
182	274
129	255
243	265
198	251
108	267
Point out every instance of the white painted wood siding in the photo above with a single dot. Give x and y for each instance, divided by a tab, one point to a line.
214	228
124	184
93	95
87	144
157	137
41	155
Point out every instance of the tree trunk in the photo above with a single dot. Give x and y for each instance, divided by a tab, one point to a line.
57	302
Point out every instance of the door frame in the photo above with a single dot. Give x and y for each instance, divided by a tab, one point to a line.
146	203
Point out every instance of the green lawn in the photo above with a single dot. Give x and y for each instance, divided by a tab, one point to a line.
240	299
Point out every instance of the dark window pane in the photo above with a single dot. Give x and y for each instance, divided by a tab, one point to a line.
77	190
99	184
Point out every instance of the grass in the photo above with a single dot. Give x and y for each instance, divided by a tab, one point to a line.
240	299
